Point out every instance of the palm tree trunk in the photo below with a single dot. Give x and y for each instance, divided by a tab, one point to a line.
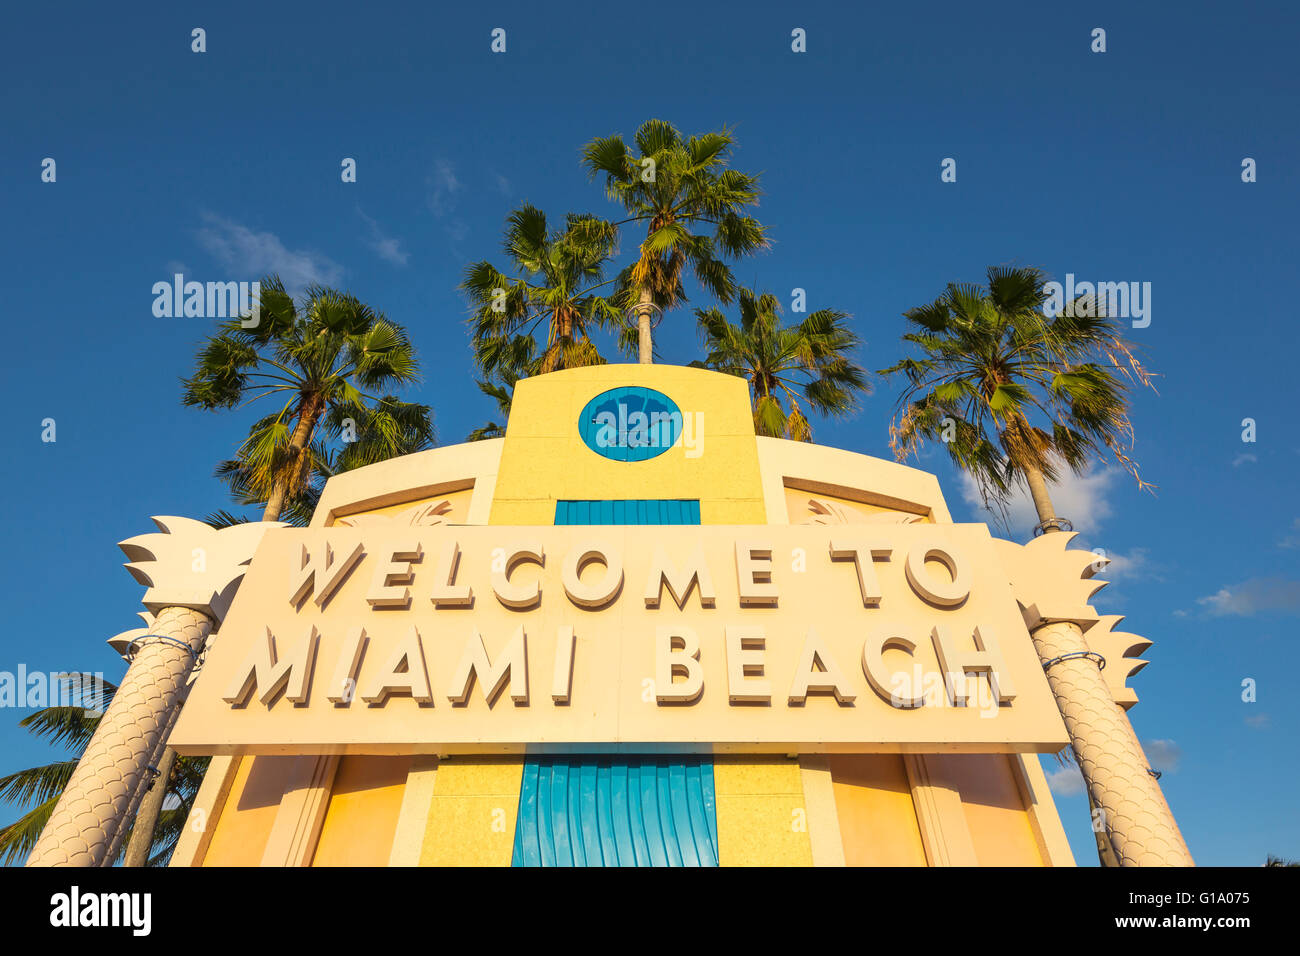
1042	499
643	313
87	822
309	412
1137	826
146	817
275	503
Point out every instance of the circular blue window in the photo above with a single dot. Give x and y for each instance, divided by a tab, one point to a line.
630	423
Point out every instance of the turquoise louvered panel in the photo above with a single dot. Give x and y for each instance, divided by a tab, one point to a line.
652	511
617	811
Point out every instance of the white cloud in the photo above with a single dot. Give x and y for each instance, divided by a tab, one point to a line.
1134	565
1243	458
1252	596
503	184
457	229
1066	782
1079	498
1163	754
1292	540
443	187
251	255
386	247
1259	721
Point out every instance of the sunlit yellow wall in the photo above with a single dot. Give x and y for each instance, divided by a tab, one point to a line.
877	817
472	815
365	800
249	813
762	818
995	811
545	460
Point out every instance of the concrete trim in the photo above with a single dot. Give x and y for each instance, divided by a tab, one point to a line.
820	469
297	826
209	803
413	818
944	831
822	814
1044	821
425	474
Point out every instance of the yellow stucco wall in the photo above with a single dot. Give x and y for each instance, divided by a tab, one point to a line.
994	809
762	817
249	813
545	460
472	814
877	817
365	799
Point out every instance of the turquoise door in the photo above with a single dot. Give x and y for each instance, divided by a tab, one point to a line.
591	810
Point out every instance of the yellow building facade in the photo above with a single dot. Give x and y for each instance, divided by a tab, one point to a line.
590	642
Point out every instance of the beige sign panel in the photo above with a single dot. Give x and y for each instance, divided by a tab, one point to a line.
713	639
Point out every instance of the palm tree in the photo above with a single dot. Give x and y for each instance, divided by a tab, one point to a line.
784	363
400	429
1015	395
71	727
517	360
693	209
558	272
324	357
296	509
1011	394
504	394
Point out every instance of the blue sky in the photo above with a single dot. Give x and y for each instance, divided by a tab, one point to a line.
1122	166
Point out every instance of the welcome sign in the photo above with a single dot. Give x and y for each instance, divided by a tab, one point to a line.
490	639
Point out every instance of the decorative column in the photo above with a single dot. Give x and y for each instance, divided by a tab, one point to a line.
1087	664
191	571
